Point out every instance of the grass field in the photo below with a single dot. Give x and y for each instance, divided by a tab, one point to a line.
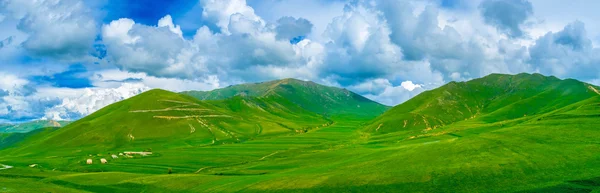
553	150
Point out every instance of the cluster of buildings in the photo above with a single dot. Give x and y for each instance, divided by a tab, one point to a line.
127	154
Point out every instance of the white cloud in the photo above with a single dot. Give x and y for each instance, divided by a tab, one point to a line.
86	101
383	91
60	29
119	30
167	21
158	51
221	12
409	85
11	82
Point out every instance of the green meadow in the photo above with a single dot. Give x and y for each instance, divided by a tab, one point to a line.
500	133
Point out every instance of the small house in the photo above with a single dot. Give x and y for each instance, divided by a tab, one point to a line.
114	156
89	161
103	161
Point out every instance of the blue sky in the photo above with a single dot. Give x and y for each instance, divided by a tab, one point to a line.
64	59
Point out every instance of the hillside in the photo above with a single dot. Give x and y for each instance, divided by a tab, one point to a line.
10	139
329	101
159	119
491	99
30	126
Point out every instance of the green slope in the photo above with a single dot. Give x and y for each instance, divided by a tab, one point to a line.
329	101
160	119
490	99
11	139
30	126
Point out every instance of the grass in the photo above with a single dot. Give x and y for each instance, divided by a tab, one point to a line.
552	150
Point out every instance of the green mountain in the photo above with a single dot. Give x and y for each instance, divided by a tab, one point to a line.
30	126
329	101
159	119
491	99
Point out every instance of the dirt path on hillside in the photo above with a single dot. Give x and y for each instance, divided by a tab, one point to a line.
5	167
266	156
594	89
169	109
201	170
180	102
189	116
192	129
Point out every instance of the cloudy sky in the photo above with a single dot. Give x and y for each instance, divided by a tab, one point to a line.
64	59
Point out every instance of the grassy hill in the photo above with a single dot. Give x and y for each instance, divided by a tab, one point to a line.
30	126
160	119
329	101
500	133
491	99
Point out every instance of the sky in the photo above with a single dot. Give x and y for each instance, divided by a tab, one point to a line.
65	59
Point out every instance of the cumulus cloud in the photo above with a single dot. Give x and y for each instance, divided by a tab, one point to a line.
167	21
158	51
89	100
567	53
220	12
244	43
385	92
59	29
22	100
507	16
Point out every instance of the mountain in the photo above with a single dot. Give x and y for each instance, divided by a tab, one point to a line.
493	98
328	101
30	126
159	119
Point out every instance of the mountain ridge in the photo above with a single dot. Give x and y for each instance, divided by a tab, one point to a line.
492	98
326	100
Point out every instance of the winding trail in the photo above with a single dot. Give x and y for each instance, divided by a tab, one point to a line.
594	89
201	170
169	109
189	116
266	156
180	102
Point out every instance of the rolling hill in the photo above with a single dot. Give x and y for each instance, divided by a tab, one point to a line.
491	99
328	101
159	119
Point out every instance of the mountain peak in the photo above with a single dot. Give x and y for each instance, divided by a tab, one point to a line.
306	94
